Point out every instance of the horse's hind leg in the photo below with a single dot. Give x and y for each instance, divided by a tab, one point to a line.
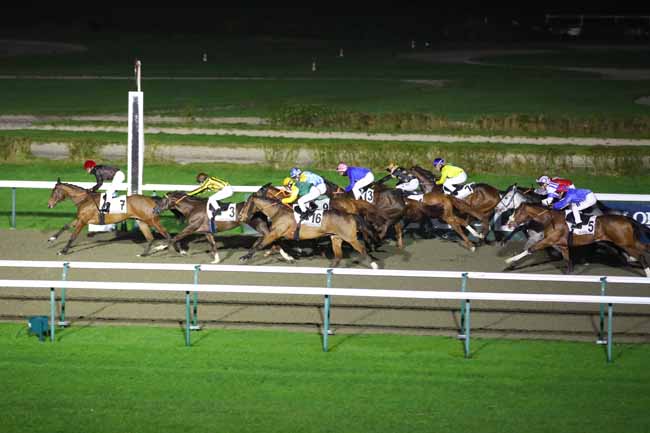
146	231
337	249
213	247
639	253
358	247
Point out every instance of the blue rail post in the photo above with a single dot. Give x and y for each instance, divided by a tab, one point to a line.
601	329
187	318
609	332
195	316
467	328
52	313
463	306
326	313
13	208
64	277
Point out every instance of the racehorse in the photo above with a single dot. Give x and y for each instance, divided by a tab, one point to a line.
194	212
341	203
480	204
621	231
139	207
338	226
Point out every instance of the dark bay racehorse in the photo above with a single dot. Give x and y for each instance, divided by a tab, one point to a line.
480	204
618	230
138	207
194	212
337	226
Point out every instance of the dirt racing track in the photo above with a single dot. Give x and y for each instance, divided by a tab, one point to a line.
349	315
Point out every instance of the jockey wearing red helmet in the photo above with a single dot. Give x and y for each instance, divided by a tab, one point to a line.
103	173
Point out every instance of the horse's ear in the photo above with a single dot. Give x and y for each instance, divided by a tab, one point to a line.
58	180
266	185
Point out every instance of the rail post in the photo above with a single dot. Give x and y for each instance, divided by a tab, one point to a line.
64	277
13	208
326	313
463	307
601	329
195	316
467	328
187	318
52	313
610	313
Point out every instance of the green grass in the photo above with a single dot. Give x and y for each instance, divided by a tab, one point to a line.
367	80
107	379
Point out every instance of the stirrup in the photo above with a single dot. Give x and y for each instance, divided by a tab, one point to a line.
102	218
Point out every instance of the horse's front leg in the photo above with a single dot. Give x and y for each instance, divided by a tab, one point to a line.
544	243
73	236
268	239
64	228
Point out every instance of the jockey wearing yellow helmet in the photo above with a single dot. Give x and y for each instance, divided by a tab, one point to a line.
406	181
298	188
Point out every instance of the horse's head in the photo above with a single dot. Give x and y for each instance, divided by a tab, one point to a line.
526	212
58	194
249	208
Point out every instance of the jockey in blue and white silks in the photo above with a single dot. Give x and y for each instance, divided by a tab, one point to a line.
553	187
577	199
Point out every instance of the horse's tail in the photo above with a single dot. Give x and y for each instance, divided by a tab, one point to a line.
641	231
369	235
370	213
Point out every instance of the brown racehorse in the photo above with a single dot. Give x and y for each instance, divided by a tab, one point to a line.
194	212
621	231
480	204
338	226
139	207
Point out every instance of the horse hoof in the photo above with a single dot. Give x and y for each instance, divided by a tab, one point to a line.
51	239
183	252
374	265
244	259
62	253
473	248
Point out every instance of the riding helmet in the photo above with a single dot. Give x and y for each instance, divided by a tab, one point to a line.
201	177
438	161
295	172
89	164
287	181
342	167
543	179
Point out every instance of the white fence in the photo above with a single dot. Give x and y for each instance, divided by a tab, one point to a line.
329	291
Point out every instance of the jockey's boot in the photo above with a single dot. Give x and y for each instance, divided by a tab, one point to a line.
102	217
106	207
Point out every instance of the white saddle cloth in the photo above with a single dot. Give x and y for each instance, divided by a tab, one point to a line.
118	204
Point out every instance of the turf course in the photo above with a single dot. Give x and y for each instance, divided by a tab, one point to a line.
144	379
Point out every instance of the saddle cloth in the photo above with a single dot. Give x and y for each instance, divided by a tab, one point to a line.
367	194
314	220
118	204
416	197
322	202
588	227
228	213
465	190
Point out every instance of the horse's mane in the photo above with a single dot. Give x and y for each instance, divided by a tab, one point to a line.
188	198
424	173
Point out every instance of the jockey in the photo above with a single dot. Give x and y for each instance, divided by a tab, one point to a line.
552	187
307	176
299	189
360	177
221	189
103	173
450	176
577	199
406	181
